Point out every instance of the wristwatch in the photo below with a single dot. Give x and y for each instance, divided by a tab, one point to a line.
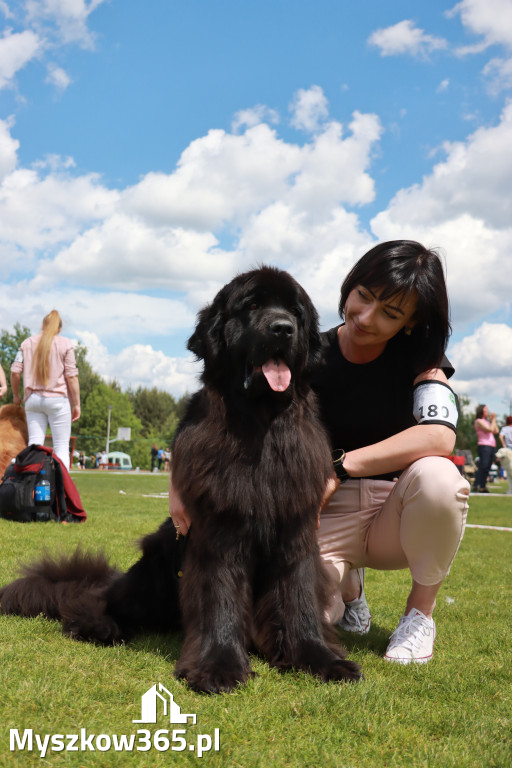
338	456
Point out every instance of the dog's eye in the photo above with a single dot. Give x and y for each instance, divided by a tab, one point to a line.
253	305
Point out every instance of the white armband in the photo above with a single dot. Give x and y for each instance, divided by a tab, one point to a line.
435	403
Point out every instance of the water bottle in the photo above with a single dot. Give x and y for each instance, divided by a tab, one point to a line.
42	498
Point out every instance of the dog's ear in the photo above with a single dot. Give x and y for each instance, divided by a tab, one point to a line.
208	338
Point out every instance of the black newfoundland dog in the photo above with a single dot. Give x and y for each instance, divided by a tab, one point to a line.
251	463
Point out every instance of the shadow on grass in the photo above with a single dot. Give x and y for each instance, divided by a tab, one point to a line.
168	646
376	641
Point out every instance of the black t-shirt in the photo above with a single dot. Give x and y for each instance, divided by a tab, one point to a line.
362	404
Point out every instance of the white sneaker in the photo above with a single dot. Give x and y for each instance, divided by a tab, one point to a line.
357	616
412	640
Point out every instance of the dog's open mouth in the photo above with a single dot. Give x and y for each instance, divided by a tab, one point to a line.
275	371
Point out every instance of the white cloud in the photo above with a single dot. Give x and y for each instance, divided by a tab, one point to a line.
483	364
8	149
40	211
473	180
464	206
142	366
488	349
220	178
318	253
58	77
68	18
125	253
113	316
139	365
499	74
4	8
16	50
309	109
48	23
308	225
248	118
405	38
496	392
333	168
343	243
490	19
166	230
491	22
272	201
225	179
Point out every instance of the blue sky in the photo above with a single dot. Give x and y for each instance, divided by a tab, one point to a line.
149	151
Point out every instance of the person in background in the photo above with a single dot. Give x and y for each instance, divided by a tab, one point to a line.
154	457
3	383
486	429
506	434
51	388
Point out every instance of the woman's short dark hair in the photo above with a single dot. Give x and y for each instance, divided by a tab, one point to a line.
399	269
480	411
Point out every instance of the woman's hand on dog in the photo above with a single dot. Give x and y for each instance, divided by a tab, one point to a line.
177	510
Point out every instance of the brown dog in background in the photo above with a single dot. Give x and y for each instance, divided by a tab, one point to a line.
13	434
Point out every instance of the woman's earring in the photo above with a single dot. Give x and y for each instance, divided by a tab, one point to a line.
408	331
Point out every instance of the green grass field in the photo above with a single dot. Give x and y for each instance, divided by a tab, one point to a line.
455	711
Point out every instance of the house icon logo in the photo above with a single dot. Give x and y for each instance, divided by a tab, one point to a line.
157	696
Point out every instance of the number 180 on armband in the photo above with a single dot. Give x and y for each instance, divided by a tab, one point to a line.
435	403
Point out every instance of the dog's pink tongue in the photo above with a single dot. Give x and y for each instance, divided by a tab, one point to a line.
277	374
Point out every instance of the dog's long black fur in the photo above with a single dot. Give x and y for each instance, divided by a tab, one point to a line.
251	463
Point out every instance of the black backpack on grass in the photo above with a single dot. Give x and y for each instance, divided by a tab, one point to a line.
17	490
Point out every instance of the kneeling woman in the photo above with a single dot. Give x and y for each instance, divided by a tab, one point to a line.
391	414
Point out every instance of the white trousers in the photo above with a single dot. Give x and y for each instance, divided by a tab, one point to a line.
55	412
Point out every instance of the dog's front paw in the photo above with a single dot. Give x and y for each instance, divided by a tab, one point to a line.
322	662
342	670
220	670
213	676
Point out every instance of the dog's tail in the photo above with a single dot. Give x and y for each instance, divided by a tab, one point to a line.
70	588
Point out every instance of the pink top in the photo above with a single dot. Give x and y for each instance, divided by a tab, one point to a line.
62	367
484	438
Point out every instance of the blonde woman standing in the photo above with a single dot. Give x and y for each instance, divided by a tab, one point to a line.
50	382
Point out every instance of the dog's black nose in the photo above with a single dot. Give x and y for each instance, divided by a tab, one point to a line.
282	328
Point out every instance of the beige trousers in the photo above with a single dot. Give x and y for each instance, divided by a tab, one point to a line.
416	522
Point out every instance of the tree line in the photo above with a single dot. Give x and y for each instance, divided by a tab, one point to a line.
151	414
